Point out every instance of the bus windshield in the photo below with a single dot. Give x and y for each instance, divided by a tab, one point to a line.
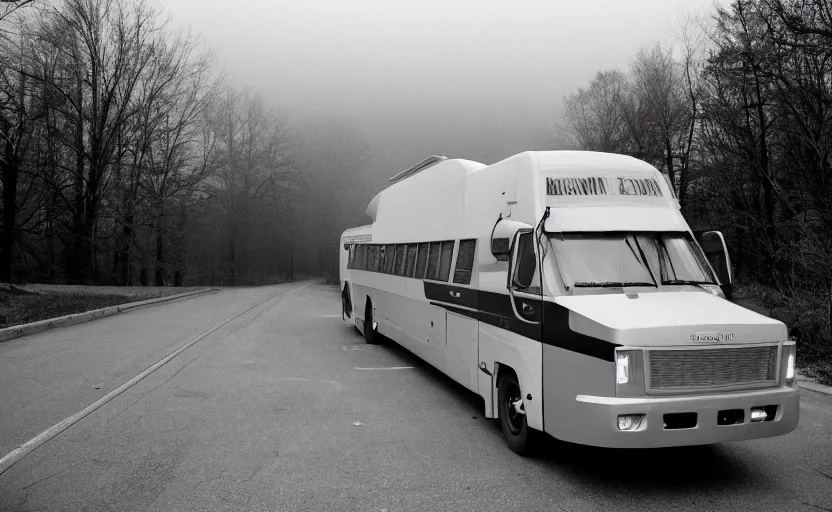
629	259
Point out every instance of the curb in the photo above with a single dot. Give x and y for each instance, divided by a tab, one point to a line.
17	331
806	383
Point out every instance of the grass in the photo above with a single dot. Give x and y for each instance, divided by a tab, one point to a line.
805	315
19	306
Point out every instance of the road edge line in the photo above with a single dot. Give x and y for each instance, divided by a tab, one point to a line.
814	386
19	331
33	444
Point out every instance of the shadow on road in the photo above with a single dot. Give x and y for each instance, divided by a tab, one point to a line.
694	468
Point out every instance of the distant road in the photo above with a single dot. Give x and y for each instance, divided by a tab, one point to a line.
285	408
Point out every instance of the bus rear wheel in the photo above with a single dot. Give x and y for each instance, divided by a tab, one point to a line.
346	302
370	334
512	412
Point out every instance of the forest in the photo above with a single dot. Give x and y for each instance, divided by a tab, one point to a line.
738	116
128	157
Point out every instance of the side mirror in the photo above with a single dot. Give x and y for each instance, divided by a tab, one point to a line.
511	257
502	237
716	251
526	310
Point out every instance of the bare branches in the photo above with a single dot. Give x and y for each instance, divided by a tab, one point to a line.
9	7
741	114
647	113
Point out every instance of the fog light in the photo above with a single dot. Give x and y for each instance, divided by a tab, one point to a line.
630	421
757	414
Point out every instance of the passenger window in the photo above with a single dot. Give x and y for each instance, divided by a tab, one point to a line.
364	254
464	262
373	260
358	257
445	260
400	251
526	265
421	261
390	260
351	257
410	261
433	260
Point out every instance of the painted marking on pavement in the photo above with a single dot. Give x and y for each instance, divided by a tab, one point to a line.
33	444
330	316
336	384
358	347
386	368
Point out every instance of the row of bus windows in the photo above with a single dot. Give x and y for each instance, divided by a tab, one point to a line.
427	260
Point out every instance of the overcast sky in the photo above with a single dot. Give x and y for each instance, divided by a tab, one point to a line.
481	79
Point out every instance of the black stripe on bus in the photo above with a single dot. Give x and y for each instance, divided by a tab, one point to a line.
556	331
495	309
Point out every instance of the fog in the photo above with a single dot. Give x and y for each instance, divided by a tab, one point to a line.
477	80
321	102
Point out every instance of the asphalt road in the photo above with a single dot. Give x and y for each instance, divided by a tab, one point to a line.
270	413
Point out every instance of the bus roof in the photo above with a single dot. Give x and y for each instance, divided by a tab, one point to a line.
585	191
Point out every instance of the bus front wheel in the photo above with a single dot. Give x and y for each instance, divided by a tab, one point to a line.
512	412
370	334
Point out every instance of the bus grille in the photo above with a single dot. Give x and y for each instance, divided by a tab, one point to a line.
712	368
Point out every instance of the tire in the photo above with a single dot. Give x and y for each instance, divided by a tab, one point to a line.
516	432
346	302
370	335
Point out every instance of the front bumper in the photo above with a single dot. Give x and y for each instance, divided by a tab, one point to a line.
598	418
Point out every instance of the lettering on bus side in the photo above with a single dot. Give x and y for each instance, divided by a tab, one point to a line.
590	186
600	186
639	187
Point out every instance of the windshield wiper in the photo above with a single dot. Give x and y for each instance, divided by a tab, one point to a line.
610	284
685	281
642	260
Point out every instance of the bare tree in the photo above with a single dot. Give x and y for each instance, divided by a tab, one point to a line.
13	136
693	38
164	153
253	170
657	76
593	116
105	47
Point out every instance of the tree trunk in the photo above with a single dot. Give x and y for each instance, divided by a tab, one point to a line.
77	245
160	258
125	275
10	171
669	162
768	188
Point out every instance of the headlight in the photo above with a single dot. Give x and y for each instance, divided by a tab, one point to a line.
622	368
789	355
629	373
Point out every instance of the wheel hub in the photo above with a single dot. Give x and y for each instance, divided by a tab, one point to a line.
516	410
518	407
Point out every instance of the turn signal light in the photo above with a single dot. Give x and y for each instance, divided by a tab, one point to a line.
622	369
789	352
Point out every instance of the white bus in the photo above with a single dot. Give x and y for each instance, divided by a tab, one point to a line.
567	290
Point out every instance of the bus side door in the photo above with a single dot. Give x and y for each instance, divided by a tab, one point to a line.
462	334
